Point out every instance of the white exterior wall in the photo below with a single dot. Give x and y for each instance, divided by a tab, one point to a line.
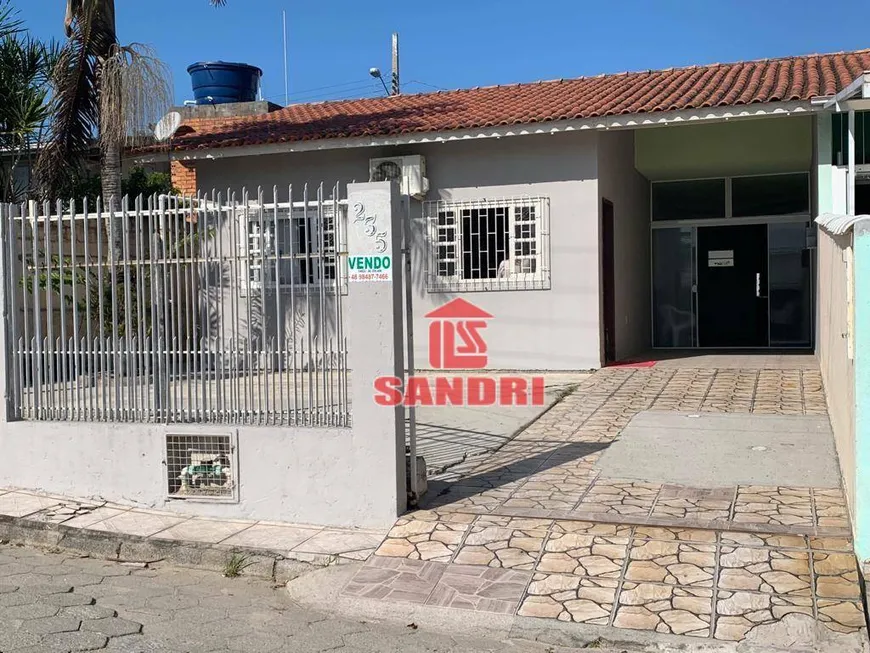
628	190
533	329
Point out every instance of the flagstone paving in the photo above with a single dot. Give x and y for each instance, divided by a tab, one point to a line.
550	537
699	583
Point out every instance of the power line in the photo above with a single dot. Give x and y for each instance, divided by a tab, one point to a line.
307	91
374	93
343	93
417	81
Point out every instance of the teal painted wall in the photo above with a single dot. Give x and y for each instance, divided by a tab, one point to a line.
861	517
739	147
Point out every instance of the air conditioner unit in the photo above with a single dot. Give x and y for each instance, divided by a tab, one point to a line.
409	171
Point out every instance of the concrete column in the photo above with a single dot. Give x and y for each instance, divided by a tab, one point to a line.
823	201
375	337
822	159
5	323
10	304
861	279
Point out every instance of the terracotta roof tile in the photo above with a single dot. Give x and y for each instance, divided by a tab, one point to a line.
716	85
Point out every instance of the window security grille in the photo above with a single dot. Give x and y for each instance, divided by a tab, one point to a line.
298	251
201	467
479	245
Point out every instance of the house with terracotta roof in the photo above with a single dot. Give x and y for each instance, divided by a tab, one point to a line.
594	218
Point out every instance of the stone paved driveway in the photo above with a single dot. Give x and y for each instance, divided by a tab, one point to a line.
51	603
551	468
536	529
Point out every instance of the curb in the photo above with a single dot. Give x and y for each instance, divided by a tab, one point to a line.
322	590
279	566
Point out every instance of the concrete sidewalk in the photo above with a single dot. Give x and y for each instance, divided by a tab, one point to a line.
119	532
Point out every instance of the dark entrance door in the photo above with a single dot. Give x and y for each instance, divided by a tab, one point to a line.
732	286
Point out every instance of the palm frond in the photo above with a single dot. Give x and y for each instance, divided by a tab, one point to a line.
9	22
25	64
135	92
75	105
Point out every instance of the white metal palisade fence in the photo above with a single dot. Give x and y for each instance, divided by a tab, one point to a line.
175	309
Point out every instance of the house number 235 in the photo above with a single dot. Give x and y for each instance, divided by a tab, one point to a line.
370	227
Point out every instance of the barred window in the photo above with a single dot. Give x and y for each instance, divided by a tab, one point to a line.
297	250
498	244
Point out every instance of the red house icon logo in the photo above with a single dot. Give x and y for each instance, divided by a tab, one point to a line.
455	342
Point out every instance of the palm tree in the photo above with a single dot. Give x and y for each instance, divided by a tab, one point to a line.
25	69
106	94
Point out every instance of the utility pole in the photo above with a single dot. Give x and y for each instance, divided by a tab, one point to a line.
395	79
286	78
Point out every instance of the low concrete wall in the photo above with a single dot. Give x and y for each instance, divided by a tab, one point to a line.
331	476
838	369
844	355
317	476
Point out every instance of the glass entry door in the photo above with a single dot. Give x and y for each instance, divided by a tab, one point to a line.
791	285
674	287
734	286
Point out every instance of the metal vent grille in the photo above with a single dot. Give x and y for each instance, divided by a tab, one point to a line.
201	467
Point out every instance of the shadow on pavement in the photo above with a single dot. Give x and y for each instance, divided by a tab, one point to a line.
442	492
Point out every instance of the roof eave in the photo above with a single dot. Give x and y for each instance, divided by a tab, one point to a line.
626	121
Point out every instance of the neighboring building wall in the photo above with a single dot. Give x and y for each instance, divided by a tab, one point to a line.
533	329
628	190
740	147
184	177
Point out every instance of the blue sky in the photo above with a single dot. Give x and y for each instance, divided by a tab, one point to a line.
462	43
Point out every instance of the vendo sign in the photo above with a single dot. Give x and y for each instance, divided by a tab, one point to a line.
456	343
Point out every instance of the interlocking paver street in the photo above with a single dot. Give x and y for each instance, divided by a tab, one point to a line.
55	603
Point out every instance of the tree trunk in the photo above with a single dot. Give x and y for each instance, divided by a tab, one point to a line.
110	174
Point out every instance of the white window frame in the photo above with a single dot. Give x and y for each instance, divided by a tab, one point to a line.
257	252
446	259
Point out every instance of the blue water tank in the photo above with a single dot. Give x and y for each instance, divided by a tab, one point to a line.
220	82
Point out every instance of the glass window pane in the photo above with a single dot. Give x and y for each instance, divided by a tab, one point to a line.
790	275
770	195
484	242
840	138
673	273
688	200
